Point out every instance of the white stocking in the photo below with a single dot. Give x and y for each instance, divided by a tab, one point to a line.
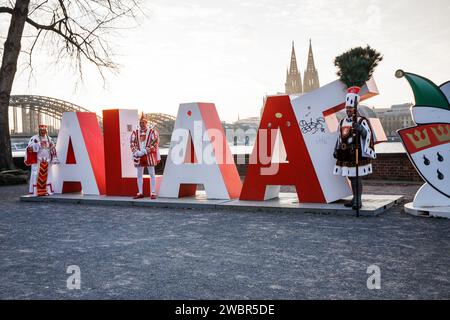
140	179
49	180
151	172
33	177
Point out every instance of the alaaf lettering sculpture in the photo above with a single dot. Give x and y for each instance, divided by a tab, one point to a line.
287	152
294	146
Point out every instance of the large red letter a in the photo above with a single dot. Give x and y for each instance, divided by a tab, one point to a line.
260	183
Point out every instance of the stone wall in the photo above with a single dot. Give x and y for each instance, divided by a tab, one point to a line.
394	167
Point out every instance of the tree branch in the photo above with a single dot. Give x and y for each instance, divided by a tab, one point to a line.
6	10
30	21
82	26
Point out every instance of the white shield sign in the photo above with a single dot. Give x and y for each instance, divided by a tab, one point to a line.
428	147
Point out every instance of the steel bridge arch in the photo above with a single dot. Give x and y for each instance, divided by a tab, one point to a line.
164	122
50	106
55	108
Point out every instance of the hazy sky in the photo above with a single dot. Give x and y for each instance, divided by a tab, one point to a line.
233	52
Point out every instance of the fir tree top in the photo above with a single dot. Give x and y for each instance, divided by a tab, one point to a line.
356	65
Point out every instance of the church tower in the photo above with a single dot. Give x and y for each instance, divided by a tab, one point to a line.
311	78
293	83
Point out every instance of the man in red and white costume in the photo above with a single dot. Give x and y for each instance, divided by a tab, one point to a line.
40	154
144	143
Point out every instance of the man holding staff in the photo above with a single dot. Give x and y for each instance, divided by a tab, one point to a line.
353	155
355	144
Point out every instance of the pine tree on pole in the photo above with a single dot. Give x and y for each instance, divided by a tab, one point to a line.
357	65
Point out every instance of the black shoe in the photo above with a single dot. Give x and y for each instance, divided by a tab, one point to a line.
354	206
348	204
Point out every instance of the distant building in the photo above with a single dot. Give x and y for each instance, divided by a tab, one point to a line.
242	131
363	110
249	122
396	117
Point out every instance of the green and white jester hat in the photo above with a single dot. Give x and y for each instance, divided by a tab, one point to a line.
432	102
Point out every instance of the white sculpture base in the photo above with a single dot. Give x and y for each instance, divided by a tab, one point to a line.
429	202
427	196
442	212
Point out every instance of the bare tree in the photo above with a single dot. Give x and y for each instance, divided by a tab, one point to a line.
77	30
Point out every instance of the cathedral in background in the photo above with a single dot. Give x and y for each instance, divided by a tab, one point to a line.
293	83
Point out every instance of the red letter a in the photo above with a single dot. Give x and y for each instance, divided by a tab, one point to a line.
262	184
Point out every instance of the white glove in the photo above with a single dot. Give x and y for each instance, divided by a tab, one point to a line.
55	160
140	153
36	147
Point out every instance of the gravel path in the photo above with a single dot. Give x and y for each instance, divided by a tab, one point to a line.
151	253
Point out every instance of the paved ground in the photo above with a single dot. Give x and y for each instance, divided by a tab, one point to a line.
185	254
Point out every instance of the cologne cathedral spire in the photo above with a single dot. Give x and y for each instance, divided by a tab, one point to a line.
311	77
293	79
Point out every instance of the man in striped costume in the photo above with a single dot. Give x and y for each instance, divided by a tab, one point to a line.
40	154
144	143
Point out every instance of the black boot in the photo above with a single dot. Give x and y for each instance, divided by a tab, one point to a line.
350	203
359	198
354	206
353	184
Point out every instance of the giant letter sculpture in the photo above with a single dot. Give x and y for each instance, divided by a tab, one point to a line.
80	150
308	126
120	172
199	154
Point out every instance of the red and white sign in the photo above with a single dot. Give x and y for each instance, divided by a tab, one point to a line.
294	146
199	154
121	174
308	127
80	151
427	146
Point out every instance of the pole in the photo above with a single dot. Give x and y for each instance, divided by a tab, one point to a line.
355	122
